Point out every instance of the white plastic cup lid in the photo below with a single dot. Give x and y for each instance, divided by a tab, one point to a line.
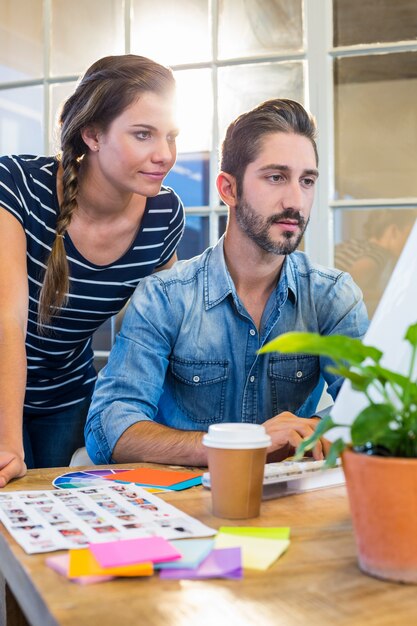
236	436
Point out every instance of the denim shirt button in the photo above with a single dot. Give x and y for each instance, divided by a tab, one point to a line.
196	379
252	378
299	374
252	332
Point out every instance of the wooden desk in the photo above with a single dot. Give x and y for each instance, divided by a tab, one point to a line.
317	582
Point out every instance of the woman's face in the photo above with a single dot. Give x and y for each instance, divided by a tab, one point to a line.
139	148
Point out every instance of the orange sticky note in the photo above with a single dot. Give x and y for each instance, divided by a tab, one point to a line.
83	563
148	476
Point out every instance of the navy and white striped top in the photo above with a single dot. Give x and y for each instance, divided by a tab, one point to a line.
60	363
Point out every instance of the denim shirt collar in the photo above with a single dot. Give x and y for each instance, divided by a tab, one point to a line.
218	283
289	271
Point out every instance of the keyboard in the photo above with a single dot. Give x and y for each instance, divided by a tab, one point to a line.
289	477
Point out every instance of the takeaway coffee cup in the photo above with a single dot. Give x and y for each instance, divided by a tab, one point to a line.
236	460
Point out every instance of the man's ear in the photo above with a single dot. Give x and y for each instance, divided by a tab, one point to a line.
227	188
90	137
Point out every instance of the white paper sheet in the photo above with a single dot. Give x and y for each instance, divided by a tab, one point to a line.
43	521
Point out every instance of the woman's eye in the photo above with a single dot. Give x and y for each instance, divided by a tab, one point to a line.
143	134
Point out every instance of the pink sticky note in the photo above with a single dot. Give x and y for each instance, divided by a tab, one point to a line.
133	551
60	564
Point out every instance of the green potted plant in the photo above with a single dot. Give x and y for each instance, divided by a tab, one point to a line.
380	461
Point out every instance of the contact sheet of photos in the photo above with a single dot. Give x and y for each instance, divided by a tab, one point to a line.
43	521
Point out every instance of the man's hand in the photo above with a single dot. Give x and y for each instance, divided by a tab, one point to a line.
287	431
12	465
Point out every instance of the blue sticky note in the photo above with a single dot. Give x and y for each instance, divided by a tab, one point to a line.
193	552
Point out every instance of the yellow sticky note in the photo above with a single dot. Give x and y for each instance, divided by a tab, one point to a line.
257	553
83	563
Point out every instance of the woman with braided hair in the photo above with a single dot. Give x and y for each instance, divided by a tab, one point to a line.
79	231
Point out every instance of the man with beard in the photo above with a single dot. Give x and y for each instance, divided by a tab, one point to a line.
186	356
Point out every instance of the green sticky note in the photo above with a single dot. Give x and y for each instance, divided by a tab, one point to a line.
278	532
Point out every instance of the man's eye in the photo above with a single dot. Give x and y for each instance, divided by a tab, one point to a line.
172	138
309	182
275	178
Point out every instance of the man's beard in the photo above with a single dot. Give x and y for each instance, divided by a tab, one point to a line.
257	228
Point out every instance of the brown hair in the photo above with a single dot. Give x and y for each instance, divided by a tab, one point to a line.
107	88
243	137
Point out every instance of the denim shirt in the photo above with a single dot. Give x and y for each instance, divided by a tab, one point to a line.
186	355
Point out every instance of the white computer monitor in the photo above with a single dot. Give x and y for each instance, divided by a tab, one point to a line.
395	312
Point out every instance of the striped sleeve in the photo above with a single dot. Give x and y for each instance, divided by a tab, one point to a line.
10	197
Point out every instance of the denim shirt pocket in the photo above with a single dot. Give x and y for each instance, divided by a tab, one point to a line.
200	388
292	379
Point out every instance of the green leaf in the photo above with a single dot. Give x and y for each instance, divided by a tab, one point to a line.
384	375
392	422
336	347
412	391
393	441
323	426
411	334
335	451
358	381
371	423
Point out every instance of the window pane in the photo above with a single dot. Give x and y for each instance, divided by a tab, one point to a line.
58	94
259	27
171	32
368	244
21	121
196	237
195	110
82	32
190	178
373	21
376	126
241	87
222	224
21	45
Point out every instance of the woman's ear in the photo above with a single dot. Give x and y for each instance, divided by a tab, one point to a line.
90	137
227	188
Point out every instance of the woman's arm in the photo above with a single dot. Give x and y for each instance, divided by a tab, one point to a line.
168	264
13	320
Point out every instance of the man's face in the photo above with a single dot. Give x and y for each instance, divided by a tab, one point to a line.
277	193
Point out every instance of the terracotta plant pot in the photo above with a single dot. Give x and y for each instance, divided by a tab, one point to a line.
383	500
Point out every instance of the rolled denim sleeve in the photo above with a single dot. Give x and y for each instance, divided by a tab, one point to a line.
129	387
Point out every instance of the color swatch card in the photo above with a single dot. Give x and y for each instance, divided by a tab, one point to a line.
87	478
43	521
